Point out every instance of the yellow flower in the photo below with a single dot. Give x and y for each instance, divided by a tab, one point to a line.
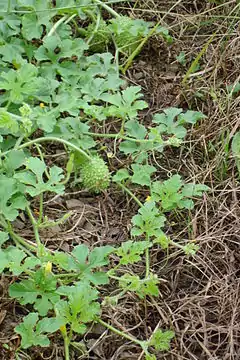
148	198
110	155
36	212
48	267
63	329
41	105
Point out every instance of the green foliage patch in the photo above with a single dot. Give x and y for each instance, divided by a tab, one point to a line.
60	81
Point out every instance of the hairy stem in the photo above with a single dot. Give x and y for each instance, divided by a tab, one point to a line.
18	238
42	158
66	348
108	8
130	193
40	216
9	6
122	334
50	138
147	264
18	142
121	137
139	48
35	229
96	28
56	25
66	342
47	224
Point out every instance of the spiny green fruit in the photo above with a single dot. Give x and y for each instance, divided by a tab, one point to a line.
95	175
100	37
129	32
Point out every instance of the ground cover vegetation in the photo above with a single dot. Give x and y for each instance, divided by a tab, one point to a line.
81	129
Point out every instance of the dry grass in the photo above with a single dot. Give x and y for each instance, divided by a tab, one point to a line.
200	298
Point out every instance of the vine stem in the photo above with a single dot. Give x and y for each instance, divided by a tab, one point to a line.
130	193
147	255
9	6
49	224
56	25
139	48
66	347
17	238
50	138
96	28
121	137
40	216
151	33
122	334
35	229
66	341
147	261
108	8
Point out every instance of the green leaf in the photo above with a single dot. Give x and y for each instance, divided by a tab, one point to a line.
142	174
12	52
24	84
160	339
79	7
48	325
191	249
30	27
148	221
40	291
147	286
42	9
194	189
135	129
72	129
121	175
33	331
80	254
19	83
236	149
168	123
9	23
14	257
3	237
181	58
129	147
8	123
99	256
4	262
82	306
234	88
173	193
163	241
150	357
130	252
124	105
13	160
11	198
32	177
150	286
172	119
46	120
85	263
168	192
67	49
190	117
30	336
130	282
